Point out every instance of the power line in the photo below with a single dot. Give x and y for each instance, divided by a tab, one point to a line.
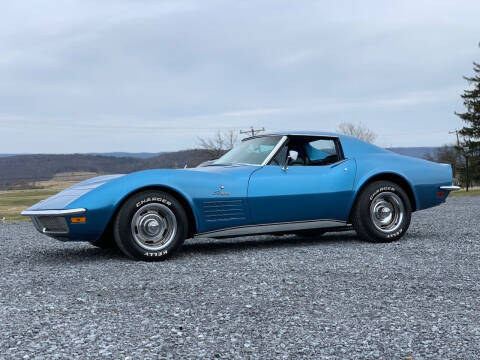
252	131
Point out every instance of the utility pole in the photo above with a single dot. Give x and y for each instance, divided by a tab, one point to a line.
466	153
468	177
252	131
456	133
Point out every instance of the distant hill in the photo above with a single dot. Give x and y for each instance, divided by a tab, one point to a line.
141	155
418	152
24	169
17	171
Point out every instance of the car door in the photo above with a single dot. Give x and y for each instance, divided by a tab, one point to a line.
308	190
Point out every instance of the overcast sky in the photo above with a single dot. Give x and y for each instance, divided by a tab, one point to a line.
88	76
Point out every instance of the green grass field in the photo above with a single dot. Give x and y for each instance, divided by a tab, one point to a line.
474	192
12	203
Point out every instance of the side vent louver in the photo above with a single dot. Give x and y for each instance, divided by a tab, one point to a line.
224	210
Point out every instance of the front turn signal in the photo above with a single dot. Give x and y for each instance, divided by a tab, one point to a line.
78	220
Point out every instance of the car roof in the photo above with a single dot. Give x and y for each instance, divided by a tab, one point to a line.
351	146
297	133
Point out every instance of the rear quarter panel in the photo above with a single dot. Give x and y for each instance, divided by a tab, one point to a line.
424	177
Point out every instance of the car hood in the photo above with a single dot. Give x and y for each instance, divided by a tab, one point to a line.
70	194
94	182
113	187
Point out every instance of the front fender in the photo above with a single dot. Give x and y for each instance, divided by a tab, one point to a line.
194	185
102	202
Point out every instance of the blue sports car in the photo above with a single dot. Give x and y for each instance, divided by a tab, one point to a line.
306	183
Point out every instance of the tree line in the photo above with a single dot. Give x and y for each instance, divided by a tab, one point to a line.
464	156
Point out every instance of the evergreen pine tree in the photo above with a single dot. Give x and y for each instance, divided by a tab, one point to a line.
471	99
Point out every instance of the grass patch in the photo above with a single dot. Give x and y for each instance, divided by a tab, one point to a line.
12	203
463	192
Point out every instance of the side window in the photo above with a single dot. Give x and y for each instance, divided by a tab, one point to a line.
280	157
321	152
312	151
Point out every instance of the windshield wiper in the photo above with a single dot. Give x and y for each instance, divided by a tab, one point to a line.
220	164
230	164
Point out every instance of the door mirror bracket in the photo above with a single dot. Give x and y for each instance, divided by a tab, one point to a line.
292	155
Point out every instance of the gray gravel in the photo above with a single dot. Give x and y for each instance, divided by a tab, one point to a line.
254	297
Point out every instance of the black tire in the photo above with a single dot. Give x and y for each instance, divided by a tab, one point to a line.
374	205
313	233
105	242
141	209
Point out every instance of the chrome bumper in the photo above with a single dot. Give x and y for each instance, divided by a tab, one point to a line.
53	212
450	188
52	222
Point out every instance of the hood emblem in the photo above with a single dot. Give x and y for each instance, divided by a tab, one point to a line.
221	192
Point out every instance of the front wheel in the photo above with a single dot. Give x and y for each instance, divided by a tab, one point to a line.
151	225
105	242
382	212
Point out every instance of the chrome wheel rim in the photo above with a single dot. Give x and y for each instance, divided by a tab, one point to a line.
387	212
154	227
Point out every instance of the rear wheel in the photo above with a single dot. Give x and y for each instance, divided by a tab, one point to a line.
151	225
382	212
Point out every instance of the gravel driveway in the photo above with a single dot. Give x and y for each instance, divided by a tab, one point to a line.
253	297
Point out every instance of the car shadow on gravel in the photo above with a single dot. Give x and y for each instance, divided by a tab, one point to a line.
83	253
210	246
75	254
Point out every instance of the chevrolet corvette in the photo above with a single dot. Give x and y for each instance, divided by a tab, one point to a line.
305	183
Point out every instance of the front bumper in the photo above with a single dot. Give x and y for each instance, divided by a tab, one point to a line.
52	222
450	188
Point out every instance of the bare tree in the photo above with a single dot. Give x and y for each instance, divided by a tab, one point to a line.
221	142
448	154
357	130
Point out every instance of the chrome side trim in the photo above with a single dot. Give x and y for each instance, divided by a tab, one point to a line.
275	227
339	162
275	150
53	212
450	188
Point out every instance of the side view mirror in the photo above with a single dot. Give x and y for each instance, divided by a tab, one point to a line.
292	155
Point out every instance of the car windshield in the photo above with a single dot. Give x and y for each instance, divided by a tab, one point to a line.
251	152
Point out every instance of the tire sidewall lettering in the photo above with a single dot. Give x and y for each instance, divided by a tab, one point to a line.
382	189
156	253
395	234
153	199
